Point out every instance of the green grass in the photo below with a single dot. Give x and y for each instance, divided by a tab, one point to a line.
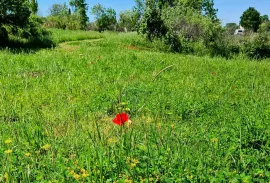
60	36
202	120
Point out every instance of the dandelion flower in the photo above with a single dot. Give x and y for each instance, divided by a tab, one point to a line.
46	147
27	154
76	176
85	174
8	151
8	141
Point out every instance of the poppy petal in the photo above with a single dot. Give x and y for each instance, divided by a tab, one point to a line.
120	119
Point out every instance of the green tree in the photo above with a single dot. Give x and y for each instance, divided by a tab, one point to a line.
14	14
128	20
230	28
209	10
251	19
105	17
264	18
194	4
151	23
59	9
34	6
81	8
138	10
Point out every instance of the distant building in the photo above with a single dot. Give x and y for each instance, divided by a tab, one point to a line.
240	31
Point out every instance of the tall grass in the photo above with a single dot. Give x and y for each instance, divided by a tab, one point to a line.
202	119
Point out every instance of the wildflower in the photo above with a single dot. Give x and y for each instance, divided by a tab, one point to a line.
8	141
128	181
85	174
214	140
76	176
46	147
99	57
120	119
72	172
8	151
213	73
27	154
6	176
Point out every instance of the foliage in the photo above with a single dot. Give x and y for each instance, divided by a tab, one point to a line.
203	7
230	28
34	6
138	9
105	17
250	19
264	18
17	21
59	10
257	46
191	28
81	8
209	10
128	20
265	27
152	25
3	36
19	16
61	18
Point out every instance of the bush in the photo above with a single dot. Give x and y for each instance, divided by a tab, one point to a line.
265	28
71	22
257	46
3	36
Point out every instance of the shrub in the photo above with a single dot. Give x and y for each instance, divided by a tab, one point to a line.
257	46
3	36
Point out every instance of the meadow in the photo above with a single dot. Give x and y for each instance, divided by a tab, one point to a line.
194	119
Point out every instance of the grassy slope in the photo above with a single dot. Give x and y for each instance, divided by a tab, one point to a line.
201	120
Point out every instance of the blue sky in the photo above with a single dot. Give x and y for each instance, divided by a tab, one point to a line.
228	10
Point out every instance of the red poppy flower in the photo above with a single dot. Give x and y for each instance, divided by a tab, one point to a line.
120	119
213	73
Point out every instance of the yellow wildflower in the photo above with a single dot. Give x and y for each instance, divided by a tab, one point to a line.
133	160
8	141
214	140
72	172
46	147
27	154
85	174
8	151
6	176
76	176
128	181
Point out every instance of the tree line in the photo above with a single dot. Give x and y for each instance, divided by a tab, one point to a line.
183	26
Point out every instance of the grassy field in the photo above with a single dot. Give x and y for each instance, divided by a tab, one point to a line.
194	119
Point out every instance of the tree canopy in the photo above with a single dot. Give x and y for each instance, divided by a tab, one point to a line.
251	19
105	17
